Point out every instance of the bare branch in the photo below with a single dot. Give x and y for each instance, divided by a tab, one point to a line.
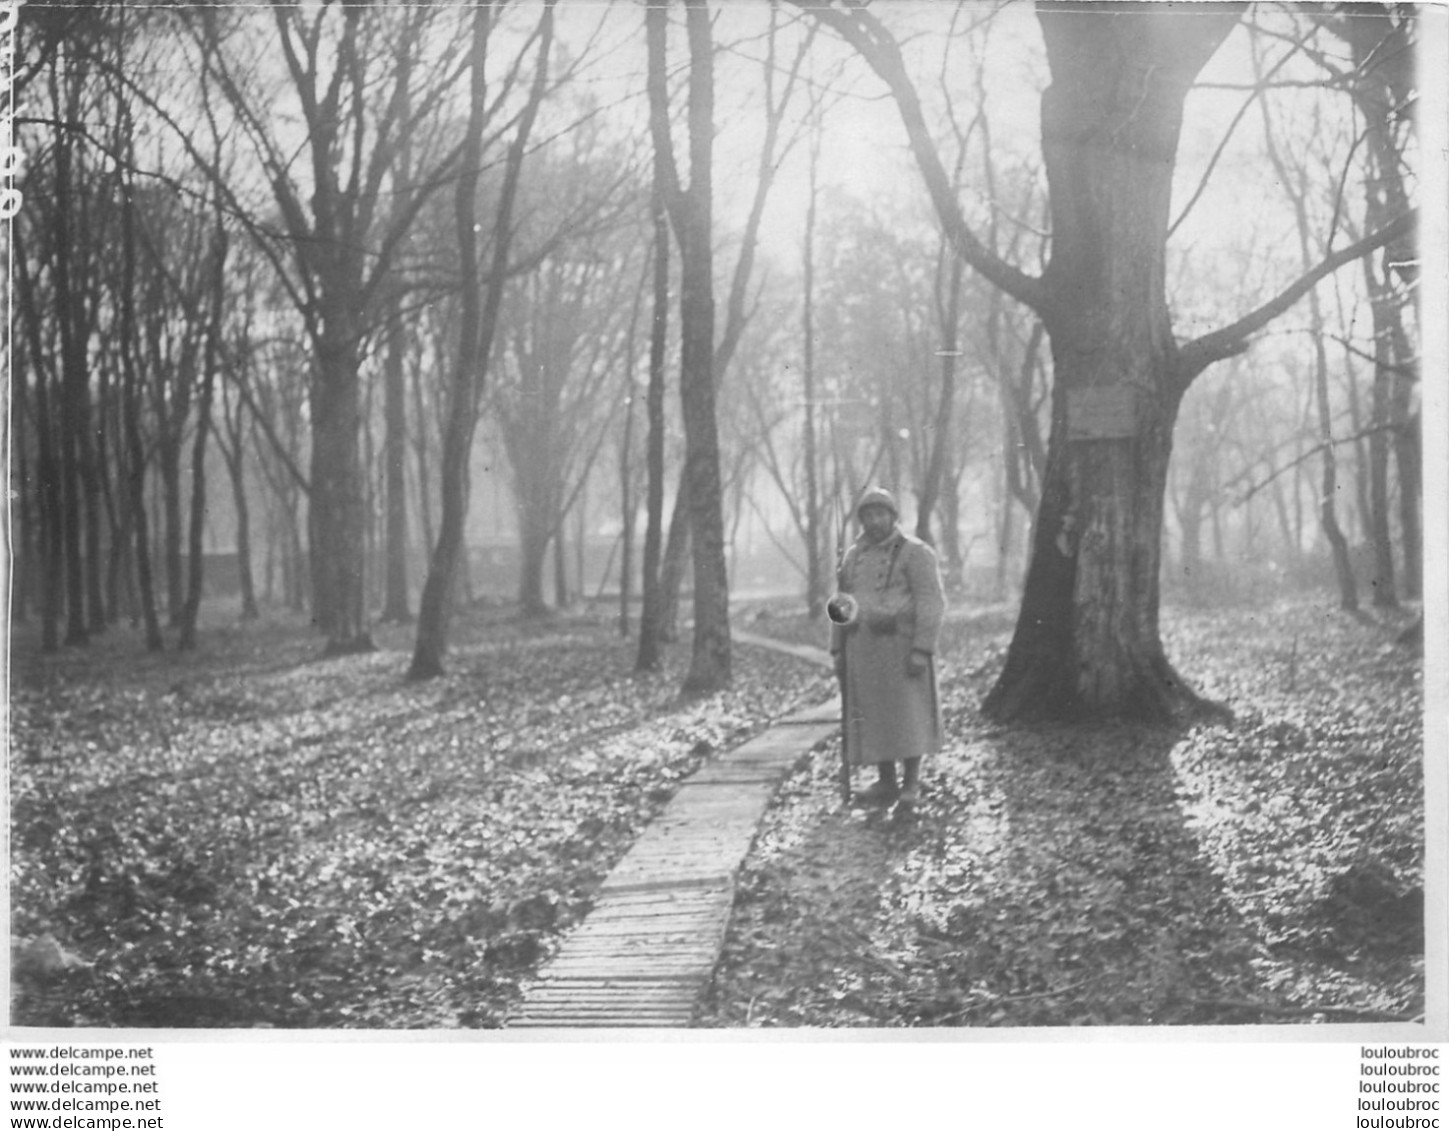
1201	352
882	53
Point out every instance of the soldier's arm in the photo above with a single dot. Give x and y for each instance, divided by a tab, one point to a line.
929	595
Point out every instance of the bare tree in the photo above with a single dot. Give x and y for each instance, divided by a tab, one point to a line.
1295	185
651	629
777	98
350	70
690	209
482	295
1087	641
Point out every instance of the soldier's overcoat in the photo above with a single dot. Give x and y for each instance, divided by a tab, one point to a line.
889	714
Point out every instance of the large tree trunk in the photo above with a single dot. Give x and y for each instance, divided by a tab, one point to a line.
560	568
534	538
336	517
1087	640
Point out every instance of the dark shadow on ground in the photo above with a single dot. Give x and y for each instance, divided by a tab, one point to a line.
1082	895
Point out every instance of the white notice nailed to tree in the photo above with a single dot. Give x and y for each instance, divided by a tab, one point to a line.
1104	413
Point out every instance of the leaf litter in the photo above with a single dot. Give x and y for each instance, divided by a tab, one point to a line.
254	837
259	838
1264	871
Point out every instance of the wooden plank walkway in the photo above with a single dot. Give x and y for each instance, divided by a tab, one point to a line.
647	950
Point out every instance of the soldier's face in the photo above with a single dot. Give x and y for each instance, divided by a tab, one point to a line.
877	522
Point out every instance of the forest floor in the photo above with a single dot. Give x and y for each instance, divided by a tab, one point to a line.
249	835
1264	871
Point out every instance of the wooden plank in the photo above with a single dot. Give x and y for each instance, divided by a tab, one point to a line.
609	1008
644	981
655	923
572	993
620	958
606	1019
646	951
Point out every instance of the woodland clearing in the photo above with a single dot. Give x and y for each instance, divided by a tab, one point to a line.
249	836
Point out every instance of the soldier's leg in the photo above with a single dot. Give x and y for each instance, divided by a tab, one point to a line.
911	790
885	790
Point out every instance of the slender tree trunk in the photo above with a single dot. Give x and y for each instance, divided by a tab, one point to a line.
1328	495
1409	465
672	569
173	529
420	451
1385	593
48	491
690	213
210	362
953	557
395	608
395	601
1006	522
651	612
535	533
131	394
627	507
710	663
24	569
73	384
434	613
560	569
479	322
950	312
296	564
246	580
1329	482
815	583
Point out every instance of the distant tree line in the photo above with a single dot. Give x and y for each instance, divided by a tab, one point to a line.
308	267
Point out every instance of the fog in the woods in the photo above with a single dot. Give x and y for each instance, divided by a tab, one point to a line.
419	415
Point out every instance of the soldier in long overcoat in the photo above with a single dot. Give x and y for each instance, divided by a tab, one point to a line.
885	655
